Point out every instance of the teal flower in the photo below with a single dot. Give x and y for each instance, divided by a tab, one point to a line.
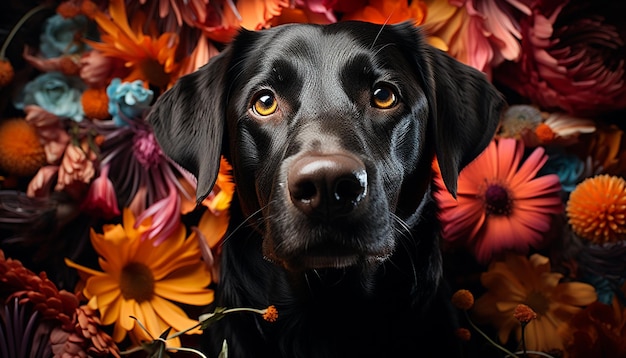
61	36
568	167
56	93
128	100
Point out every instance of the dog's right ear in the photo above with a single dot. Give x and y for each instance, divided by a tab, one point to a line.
188	121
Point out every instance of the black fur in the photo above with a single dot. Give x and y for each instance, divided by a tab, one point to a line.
360	274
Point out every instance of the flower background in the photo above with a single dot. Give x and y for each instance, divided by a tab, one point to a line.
97	225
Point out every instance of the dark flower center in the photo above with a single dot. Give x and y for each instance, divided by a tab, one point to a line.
497	200
137	282
146	149
538	302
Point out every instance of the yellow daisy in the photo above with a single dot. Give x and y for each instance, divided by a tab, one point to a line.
530	281
143	280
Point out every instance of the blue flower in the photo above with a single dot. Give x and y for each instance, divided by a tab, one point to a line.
568	167
60	36
54	92
127	100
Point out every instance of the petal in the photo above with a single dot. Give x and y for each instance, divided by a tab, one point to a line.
575	293
529	168
171	314
127	309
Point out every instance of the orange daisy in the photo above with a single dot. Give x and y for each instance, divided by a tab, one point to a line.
500	205
150	58
597	209
529	281
141	279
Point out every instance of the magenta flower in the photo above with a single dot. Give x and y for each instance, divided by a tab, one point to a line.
572	57
101	200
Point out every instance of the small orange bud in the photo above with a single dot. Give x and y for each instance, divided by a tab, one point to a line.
464	334
544	133
463	299
524	314
271	314
6	73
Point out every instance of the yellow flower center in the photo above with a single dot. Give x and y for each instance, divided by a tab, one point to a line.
538	302
137	282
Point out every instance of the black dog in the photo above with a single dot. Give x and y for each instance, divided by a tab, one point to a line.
331	131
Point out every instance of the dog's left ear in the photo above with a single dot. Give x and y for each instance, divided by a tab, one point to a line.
465	108
188	121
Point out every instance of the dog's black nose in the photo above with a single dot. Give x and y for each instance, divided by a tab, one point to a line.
327	185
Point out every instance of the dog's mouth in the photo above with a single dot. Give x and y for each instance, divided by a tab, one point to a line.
329	258
320	262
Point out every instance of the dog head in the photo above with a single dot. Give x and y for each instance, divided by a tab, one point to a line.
331	131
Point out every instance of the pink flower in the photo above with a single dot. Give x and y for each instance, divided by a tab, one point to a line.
572	57
101	199
76	170
97	70
480	33
51	131
41	184
500	205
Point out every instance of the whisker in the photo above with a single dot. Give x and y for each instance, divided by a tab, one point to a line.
381	30
408	243
244	222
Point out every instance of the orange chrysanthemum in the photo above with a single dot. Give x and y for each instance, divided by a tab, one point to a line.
143	280
95	103
530	281
149	58
6	73
21	152
390	12
500	205
597	209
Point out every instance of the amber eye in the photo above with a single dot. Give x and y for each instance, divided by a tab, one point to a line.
383	97
265	104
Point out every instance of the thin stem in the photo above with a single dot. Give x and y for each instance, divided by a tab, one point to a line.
18	26
209	315
538	353
523	340
509	353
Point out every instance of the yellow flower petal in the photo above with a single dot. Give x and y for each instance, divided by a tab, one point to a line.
171	314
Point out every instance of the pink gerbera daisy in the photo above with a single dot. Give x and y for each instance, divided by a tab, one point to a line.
500	205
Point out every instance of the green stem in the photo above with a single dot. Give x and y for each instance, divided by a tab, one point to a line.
511	354
17	27
230	310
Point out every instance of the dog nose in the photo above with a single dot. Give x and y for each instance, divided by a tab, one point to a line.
327	186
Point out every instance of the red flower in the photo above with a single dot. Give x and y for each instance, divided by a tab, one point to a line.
572	56
597	331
